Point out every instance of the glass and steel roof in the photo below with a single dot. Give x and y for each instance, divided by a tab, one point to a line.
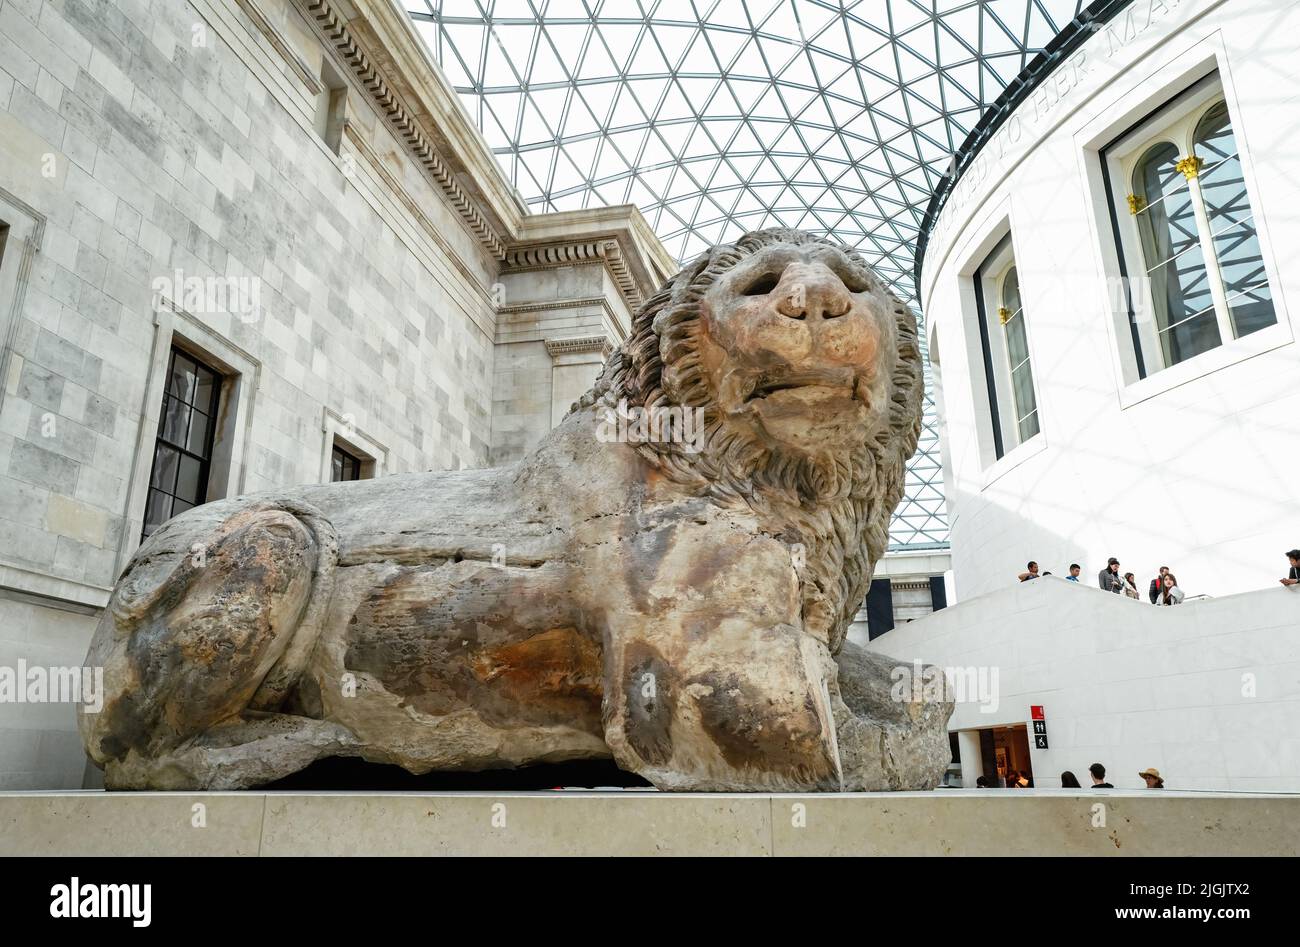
721	116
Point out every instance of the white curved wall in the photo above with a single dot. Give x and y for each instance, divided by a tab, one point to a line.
1207	692
1197	466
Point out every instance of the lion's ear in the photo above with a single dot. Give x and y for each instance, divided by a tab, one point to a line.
682	283
691	272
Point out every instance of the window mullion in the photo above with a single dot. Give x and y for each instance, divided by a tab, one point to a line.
1213	274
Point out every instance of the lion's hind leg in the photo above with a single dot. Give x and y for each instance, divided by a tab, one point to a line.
249	750
189	642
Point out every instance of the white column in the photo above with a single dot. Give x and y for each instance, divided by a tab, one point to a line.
972	760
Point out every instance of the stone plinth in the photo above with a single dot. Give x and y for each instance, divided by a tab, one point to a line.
955	822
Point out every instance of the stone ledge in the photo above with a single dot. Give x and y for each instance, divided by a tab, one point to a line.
954	822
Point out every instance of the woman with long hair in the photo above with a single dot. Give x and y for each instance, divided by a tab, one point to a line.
1130	586
1170	593
1069	781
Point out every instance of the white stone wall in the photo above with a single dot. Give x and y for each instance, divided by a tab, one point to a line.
1207	692
536	379
39	744
1195	467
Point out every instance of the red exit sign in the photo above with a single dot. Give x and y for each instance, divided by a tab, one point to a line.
1036	712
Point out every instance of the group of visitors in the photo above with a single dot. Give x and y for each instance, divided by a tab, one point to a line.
1018	780
1151	775
1164	588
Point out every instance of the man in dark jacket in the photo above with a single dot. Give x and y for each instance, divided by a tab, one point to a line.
1108	578
1157	584
1293	576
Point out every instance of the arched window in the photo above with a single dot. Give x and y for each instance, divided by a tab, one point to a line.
1004	342
1191	251
1232	225
1022	380
1171	251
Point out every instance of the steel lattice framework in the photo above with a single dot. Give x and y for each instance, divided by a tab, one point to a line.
721	116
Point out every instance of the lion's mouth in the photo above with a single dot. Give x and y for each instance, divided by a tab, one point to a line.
842	383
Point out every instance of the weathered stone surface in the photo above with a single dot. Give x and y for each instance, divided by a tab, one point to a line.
673	594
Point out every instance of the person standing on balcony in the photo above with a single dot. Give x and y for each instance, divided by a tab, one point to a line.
1293	576
1098	773
1109	578
1170	593
1157	583
1130	587
1075	569
1031	572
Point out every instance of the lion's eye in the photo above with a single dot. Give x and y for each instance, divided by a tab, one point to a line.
762	285
854	282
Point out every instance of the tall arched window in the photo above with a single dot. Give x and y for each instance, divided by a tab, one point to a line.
1190	244
1022	379
1232	224
1171	253
1004	340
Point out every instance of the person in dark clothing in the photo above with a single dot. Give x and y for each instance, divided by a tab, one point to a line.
1157	584
1293	576
1109	579
1069	781
1099	777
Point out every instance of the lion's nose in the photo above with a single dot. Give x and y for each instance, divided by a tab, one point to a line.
812	292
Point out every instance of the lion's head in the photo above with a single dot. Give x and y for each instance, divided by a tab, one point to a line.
809	375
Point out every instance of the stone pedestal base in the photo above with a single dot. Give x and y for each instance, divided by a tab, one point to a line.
945	822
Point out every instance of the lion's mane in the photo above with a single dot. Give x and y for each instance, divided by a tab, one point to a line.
838	507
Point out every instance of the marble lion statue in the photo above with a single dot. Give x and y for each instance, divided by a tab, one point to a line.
667	579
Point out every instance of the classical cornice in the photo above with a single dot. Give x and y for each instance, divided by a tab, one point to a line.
608	252
909	585
584	302
586	343
339	35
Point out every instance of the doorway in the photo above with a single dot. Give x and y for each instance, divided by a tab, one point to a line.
1004	750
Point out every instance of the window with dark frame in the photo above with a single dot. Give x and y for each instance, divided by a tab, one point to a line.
1008	375
344	466
1189	253
182	454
